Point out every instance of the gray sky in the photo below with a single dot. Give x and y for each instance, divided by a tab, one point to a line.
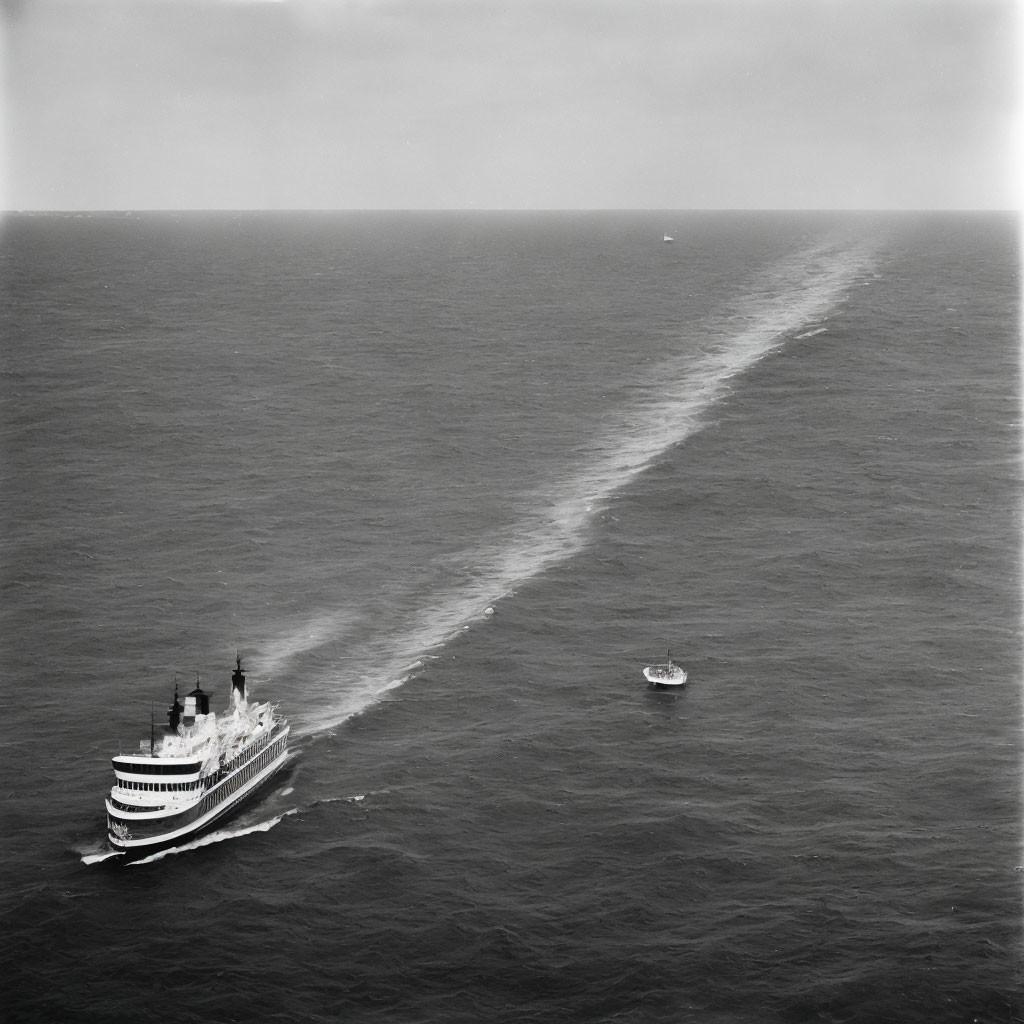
519	104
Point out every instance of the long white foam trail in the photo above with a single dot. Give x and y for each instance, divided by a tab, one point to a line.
797	294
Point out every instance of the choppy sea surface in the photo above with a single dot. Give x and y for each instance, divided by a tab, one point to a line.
447	482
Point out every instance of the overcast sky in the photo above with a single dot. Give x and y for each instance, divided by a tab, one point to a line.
517	104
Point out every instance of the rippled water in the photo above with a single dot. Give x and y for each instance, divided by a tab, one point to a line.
447	482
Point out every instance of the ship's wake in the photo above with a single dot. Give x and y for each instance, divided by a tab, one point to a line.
98	853
218	836
793	300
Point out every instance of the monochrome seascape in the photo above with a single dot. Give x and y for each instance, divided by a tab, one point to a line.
446	482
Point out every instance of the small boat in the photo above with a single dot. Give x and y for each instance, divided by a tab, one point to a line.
195	771
669	676
668	238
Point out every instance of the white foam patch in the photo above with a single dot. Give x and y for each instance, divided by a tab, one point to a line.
98	858
797	292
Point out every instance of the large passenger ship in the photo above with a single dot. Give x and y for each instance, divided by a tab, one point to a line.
193	771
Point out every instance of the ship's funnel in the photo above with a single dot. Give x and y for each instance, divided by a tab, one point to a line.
196	703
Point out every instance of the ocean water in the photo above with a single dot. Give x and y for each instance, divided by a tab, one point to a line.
447	482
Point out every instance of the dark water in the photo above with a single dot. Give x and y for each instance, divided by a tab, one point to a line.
447	482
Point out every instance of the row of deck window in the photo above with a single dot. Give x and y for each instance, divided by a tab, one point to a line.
160	787
154	768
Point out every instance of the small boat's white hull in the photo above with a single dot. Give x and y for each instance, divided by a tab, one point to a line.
665	678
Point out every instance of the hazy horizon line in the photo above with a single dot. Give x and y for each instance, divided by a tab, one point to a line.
513	209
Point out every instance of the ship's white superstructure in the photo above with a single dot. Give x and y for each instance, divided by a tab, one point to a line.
194	771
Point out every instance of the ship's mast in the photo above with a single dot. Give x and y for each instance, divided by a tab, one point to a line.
238	679
175	710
